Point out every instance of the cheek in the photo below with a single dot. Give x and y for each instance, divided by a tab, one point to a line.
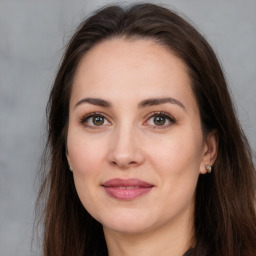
177	160
85	153
178	153
178	164
86	157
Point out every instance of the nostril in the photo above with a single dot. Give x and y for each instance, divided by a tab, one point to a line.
113	163
123	164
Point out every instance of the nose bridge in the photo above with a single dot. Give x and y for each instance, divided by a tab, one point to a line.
125	149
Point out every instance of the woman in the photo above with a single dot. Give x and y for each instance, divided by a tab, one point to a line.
146	153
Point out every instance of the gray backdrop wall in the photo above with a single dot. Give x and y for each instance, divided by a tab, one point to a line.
32	37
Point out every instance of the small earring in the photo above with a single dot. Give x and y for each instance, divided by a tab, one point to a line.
208	168
70	168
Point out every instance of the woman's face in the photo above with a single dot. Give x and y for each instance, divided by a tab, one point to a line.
134	140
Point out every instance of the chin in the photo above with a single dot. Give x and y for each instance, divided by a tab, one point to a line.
129	222
127	227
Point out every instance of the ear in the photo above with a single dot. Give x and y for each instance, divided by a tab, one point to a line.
210	151
68	158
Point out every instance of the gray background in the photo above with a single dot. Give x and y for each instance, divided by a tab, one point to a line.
32	37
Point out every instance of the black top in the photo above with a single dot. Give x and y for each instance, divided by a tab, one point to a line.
188	253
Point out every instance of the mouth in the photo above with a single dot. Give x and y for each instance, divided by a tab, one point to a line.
126	189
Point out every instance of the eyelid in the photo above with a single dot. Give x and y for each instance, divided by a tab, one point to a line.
91	114
147	117
163	113
160	113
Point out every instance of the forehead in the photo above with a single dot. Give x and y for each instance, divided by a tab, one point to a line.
139	55
140	68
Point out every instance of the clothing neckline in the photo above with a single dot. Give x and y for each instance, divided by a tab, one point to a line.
188	252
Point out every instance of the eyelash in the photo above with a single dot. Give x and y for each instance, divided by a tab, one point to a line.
84	120
166	116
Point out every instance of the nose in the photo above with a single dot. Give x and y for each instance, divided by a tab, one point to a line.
125	150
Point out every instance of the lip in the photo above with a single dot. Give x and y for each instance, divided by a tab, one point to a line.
126	189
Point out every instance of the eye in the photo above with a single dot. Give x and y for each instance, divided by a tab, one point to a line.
95	120
160	119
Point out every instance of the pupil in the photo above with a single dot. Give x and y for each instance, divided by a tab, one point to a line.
159	120
98	120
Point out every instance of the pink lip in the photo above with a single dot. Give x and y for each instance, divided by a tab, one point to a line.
126	189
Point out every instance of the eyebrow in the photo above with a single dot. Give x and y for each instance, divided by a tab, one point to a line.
142	104
159	101
94	101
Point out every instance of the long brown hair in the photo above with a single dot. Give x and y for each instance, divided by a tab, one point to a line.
224	221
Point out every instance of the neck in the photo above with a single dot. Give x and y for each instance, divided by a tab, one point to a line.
172	239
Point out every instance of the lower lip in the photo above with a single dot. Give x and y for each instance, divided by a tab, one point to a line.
127	193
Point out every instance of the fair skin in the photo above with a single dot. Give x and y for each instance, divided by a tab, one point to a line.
143	125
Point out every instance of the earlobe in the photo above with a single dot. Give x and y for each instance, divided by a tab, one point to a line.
210	152
67	156
68	159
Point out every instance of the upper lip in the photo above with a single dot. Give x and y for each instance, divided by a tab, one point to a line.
117	182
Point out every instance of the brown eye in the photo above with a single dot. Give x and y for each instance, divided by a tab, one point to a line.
98	120
94	120
159	120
